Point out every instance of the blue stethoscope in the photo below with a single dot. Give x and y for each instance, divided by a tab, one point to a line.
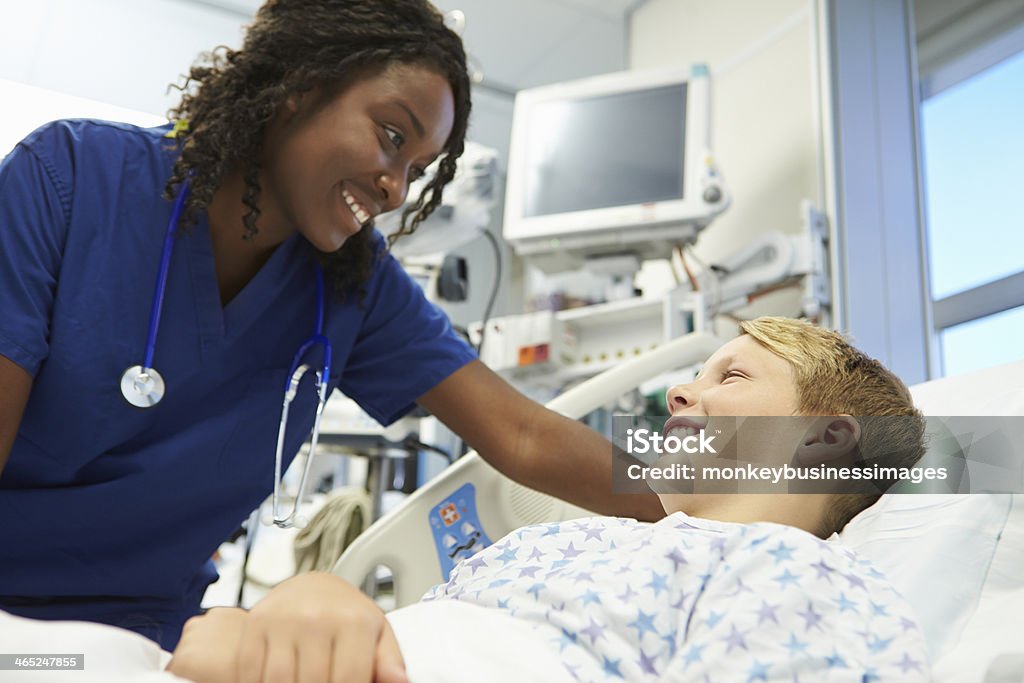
143	387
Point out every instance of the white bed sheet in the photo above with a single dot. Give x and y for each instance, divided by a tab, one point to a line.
112	655
448	641
466	643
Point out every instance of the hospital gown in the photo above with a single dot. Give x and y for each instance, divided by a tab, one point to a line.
688	599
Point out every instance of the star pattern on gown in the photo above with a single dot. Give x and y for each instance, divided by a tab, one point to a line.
734	639
530	571
647	664
611	667
824	571
786	578
570	551
845	603
623	600
781	553
644	623
811	618
767	612
757	672
594	631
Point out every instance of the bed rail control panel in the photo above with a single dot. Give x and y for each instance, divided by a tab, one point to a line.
457	530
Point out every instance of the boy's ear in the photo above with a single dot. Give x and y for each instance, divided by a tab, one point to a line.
828	439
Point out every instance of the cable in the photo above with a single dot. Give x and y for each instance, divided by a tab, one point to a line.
494	290
689	273
789	283
715	272
676	251
250	537
411	443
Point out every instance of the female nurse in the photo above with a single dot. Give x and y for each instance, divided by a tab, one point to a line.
281	155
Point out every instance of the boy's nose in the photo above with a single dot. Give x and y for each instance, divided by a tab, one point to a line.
679	397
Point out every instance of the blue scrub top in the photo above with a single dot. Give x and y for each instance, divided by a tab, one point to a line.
111	513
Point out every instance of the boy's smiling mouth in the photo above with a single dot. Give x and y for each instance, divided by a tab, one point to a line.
680	426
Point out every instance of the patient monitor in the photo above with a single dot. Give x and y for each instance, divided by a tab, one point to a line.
612	164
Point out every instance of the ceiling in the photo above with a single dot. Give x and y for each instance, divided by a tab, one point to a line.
515	44
523	43
949	29
534	42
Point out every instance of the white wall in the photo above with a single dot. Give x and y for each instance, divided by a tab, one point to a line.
765	132
127	52
124	52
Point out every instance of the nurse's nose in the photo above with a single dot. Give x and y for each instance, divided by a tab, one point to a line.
393	188
679	397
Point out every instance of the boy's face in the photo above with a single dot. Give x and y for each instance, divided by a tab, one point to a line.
742	378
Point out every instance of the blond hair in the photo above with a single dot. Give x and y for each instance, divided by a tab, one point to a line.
834	378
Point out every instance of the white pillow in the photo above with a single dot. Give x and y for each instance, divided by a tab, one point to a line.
936	549
995	627
958	559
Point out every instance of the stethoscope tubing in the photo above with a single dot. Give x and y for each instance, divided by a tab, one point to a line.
292	379
161	280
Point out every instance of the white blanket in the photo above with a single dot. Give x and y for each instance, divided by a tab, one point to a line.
111	655
442	643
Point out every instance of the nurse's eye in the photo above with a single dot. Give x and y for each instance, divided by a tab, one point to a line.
394	137
416	173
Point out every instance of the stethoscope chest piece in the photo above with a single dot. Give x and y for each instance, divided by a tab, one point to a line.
142	387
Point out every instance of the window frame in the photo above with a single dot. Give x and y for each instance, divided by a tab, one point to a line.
1004	293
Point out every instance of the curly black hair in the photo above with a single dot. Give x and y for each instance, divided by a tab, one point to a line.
294	46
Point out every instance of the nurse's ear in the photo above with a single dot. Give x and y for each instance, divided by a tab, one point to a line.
829	439
298	103
294	103
292	111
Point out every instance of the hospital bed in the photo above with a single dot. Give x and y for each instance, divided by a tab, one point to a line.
407	541
958	559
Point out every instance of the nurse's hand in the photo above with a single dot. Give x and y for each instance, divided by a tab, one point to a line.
317	627
207	651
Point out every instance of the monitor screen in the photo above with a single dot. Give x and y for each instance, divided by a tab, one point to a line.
612	164
610	150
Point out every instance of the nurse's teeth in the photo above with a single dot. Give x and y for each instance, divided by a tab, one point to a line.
360	213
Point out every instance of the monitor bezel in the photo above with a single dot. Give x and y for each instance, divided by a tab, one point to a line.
548	232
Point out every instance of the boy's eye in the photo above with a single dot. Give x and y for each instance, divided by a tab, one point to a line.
731	373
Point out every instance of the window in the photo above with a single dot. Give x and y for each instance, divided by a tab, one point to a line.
973	154
983	342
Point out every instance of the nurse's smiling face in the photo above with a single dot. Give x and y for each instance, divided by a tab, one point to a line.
331	167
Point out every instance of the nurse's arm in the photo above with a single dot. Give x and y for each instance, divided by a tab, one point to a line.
531	444
15	385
